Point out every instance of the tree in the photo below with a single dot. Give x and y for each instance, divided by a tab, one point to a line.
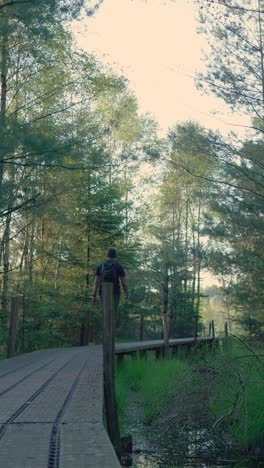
55	226
235	64
236	74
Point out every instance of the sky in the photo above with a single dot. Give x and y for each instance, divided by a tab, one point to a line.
155	44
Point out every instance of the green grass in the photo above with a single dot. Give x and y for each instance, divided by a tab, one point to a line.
236	391
151	379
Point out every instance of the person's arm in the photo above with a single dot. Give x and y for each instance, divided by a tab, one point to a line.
97	281
124	285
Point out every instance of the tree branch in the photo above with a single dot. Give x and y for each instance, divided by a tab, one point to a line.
13	2
18	207
215	181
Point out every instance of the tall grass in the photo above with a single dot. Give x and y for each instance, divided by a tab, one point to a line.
150	379
228	383
237	396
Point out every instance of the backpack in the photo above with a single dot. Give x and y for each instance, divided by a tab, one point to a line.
108	271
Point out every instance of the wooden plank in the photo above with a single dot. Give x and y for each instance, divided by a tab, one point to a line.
43	388
126	348
109	373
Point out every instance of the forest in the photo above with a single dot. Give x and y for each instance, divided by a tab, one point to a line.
82	169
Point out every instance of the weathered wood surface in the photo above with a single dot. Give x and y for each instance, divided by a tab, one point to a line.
123	348
51	410
51	407
109	362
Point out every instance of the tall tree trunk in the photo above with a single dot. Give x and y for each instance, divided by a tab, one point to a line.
86	326
165	315
126	205
14	303
3	90
6	260
173	283
194	269
261	50
2	245
141	327
31	252
178	306
11	345
24	255
227	305
186	256
57	267
198	272
87	318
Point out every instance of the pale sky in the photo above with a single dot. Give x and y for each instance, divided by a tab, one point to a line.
154	43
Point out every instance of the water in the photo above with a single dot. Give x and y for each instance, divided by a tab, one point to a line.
150	450
154	445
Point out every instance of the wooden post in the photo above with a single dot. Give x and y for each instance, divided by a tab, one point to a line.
213	329
226	342
142	354
141	327
120	358
210	328
175	350
109	376
11	345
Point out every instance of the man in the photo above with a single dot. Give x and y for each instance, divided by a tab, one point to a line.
110	270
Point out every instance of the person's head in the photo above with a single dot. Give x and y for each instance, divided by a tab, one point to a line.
111	253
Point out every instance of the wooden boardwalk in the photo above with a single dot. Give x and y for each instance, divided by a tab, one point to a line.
128	348
51	407
51	410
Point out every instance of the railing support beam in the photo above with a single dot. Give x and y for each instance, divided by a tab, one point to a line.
109	374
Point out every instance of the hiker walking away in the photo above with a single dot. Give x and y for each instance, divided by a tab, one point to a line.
110	271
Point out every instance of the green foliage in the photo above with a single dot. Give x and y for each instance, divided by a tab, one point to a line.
151	379
72	141
235	220
237	396
213	399
62	141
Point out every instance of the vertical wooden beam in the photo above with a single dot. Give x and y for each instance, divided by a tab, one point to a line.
141	327
210	328
11	345
120	358
213	329
109	376
175	350
226	342
142	354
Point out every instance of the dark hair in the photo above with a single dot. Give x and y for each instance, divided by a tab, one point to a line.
111	253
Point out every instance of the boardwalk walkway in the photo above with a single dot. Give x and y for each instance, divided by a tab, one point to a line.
51	410
127	348
51	407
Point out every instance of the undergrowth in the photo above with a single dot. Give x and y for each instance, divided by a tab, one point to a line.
150	379
219	393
